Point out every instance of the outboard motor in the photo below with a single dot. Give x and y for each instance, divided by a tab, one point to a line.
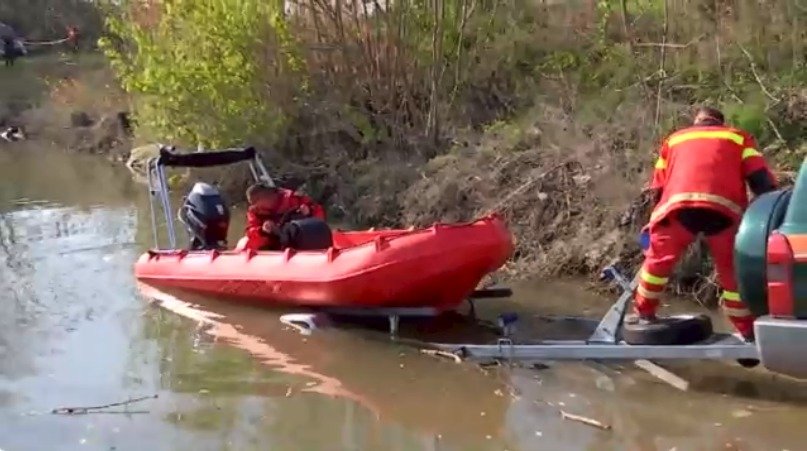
206	217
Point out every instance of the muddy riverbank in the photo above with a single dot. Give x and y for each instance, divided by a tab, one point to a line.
70	102
75	330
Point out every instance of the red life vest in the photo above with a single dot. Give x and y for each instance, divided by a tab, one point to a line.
289	202
706	167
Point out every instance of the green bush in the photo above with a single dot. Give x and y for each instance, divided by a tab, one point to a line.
194	70
749	116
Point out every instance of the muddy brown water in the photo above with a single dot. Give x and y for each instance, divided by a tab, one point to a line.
76	330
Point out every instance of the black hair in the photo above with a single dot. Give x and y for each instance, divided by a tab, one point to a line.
713	113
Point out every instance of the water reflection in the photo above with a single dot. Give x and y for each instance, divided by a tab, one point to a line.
391	385
48	255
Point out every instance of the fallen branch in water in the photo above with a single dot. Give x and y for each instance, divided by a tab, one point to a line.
663	374
90	409
585	420
437	353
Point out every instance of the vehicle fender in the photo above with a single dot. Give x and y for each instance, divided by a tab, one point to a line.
764	215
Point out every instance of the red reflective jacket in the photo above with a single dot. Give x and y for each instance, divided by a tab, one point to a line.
289	202
706	166
72	35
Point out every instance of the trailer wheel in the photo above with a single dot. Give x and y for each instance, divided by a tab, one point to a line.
748	363
671	330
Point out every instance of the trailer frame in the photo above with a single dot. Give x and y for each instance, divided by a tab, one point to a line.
605	343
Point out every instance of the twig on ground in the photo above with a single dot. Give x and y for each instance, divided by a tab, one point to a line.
705	291
529	183
91	409
585	420
756	75
775	129
661	44
438	353
662	61
670	44
767	119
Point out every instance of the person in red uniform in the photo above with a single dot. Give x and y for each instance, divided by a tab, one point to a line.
72	37
699	185
269	209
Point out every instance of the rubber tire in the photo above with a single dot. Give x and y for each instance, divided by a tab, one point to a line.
748	363
763	216
672	330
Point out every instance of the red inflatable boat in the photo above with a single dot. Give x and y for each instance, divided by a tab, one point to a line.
436	267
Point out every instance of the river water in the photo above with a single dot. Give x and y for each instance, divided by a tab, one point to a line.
76	330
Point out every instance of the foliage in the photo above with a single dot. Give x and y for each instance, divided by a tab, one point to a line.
49	19
193	69
220	72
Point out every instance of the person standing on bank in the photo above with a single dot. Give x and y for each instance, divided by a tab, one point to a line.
72	38
9	50
699	187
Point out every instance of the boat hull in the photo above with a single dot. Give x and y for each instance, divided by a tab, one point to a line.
436	267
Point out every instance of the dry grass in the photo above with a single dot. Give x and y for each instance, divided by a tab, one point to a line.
563	188
45	93
570	190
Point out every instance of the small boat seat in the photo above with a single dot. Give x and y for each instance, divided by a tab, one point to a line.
309	234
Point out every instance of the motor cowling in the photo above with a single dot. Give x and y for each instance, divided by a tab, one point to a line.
206	217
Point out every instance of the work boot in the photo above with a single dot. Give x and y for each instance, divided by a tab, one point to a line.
748	363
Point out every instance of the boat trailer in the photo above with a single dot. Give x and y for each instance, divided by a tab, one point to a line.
605	343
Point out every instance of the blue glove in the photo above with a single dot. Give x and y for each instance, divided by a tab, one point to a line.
644	239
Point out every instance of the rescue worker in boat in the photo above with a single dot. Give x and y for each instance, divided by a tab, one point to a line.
9	50
699	187
269	210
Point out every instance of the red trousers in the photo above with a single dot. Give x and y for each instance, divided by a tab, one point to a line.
668	241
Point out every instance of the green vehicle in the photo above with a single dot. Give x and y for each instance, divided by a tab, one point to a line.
771	260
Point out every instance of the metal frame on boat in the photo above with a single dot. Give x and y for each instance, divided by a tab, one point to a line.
394	315
604	343
158	183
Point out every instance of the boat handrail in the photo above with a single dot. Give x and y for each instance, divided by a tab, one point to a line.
168	157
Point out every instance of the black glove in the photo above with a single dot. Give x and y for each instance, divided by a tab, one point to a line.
761	182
